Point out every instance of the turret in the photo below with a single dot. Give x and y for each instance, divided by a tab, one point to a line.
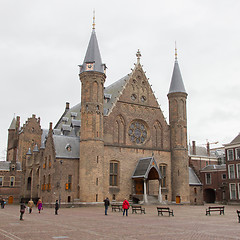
13	139
177	97
92	76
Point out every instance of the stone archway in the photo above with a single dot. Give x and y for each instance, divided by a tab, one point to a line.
209	195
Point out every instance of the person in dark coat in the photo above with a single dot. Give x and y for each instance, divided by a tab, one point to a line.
56	207
22	210
125	207
106	204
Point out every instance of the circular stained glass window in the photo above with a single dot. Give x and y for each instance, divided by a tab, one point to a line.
137	132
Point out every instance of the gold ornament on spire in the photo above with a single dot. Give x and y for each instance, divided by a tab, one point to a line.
175	50
93	19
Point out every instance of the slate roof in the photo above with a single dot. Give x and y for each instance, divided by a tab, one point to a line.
61	143
143	167
215	168
5	166
93	55
112	93
13	124
193	179
176	82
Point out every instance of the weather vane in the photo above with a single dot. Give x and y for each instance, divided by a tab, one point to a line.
94	19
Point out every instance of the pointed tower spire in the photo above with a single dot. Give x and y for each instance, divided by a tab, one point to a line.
93	60
13	123
176	82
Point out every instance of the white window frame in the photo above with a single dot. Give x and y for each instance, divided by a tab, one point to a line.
238	170
230	191
238	190
229	175
236	155
228	154
206	178
11	181
2	181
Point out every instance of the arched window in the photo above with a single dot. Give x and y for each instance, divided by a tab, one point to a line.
119	130
29	180
114	173
163	170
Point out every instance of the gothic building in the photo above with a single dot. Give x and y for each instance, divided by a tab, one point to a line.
115	142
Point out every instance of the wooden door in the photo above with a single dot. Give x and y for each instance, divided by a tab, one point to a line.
10	200
139	186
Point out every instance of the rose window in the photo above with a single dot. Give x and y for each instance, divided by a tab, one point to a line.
137	132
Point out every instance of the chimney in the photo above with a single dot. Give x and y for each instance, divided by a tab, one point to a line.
194	147
50	126
67	105
208	149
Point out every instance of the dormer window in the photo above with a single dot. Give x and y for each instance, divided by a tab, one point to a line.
68	147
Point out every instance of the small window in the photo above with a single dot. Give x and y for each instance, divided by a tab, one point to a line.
133	97
237	153
1	181
70	182
12	181
238	170
230	155
163	170
13	167
113	181
232	187
231	172
224	176
208	178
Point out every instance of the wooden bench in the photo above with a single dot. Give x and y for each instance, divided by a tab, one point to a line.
215	209
238	213
116	207
161	210
139	208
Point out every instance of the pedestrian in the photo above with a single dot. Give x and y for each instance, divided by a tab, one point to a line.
106	204
30	205
2	203
22	210
125	207
39	205
56	207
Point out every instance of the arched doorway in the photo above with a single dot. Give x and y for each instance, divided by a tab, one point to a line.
209	195
146	180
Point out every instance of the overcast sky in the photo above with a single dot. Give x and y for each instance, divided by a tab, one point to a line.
43	42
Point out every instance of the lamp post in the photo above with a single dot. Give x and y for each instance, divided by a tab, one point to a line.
61	162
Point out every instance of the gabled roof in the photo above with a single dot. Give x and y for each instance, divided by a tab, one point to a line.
193	179
144	166
236	139
176	82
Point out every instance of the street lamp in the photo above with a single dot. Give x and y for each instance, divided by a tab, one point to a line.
61	162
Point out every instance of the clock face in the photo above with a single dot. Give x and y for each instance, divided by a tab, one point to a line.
89	66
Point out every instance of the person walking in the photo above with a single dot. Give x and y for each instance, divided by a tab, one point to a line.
2	203
125	207
106	204
22	210
30	206
39	205
56	207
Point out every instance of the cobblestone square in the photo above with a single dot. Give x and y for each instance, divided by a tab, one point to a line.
189	222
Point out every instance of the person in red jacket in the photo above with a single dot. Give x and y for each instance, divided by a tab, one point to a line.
125	207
